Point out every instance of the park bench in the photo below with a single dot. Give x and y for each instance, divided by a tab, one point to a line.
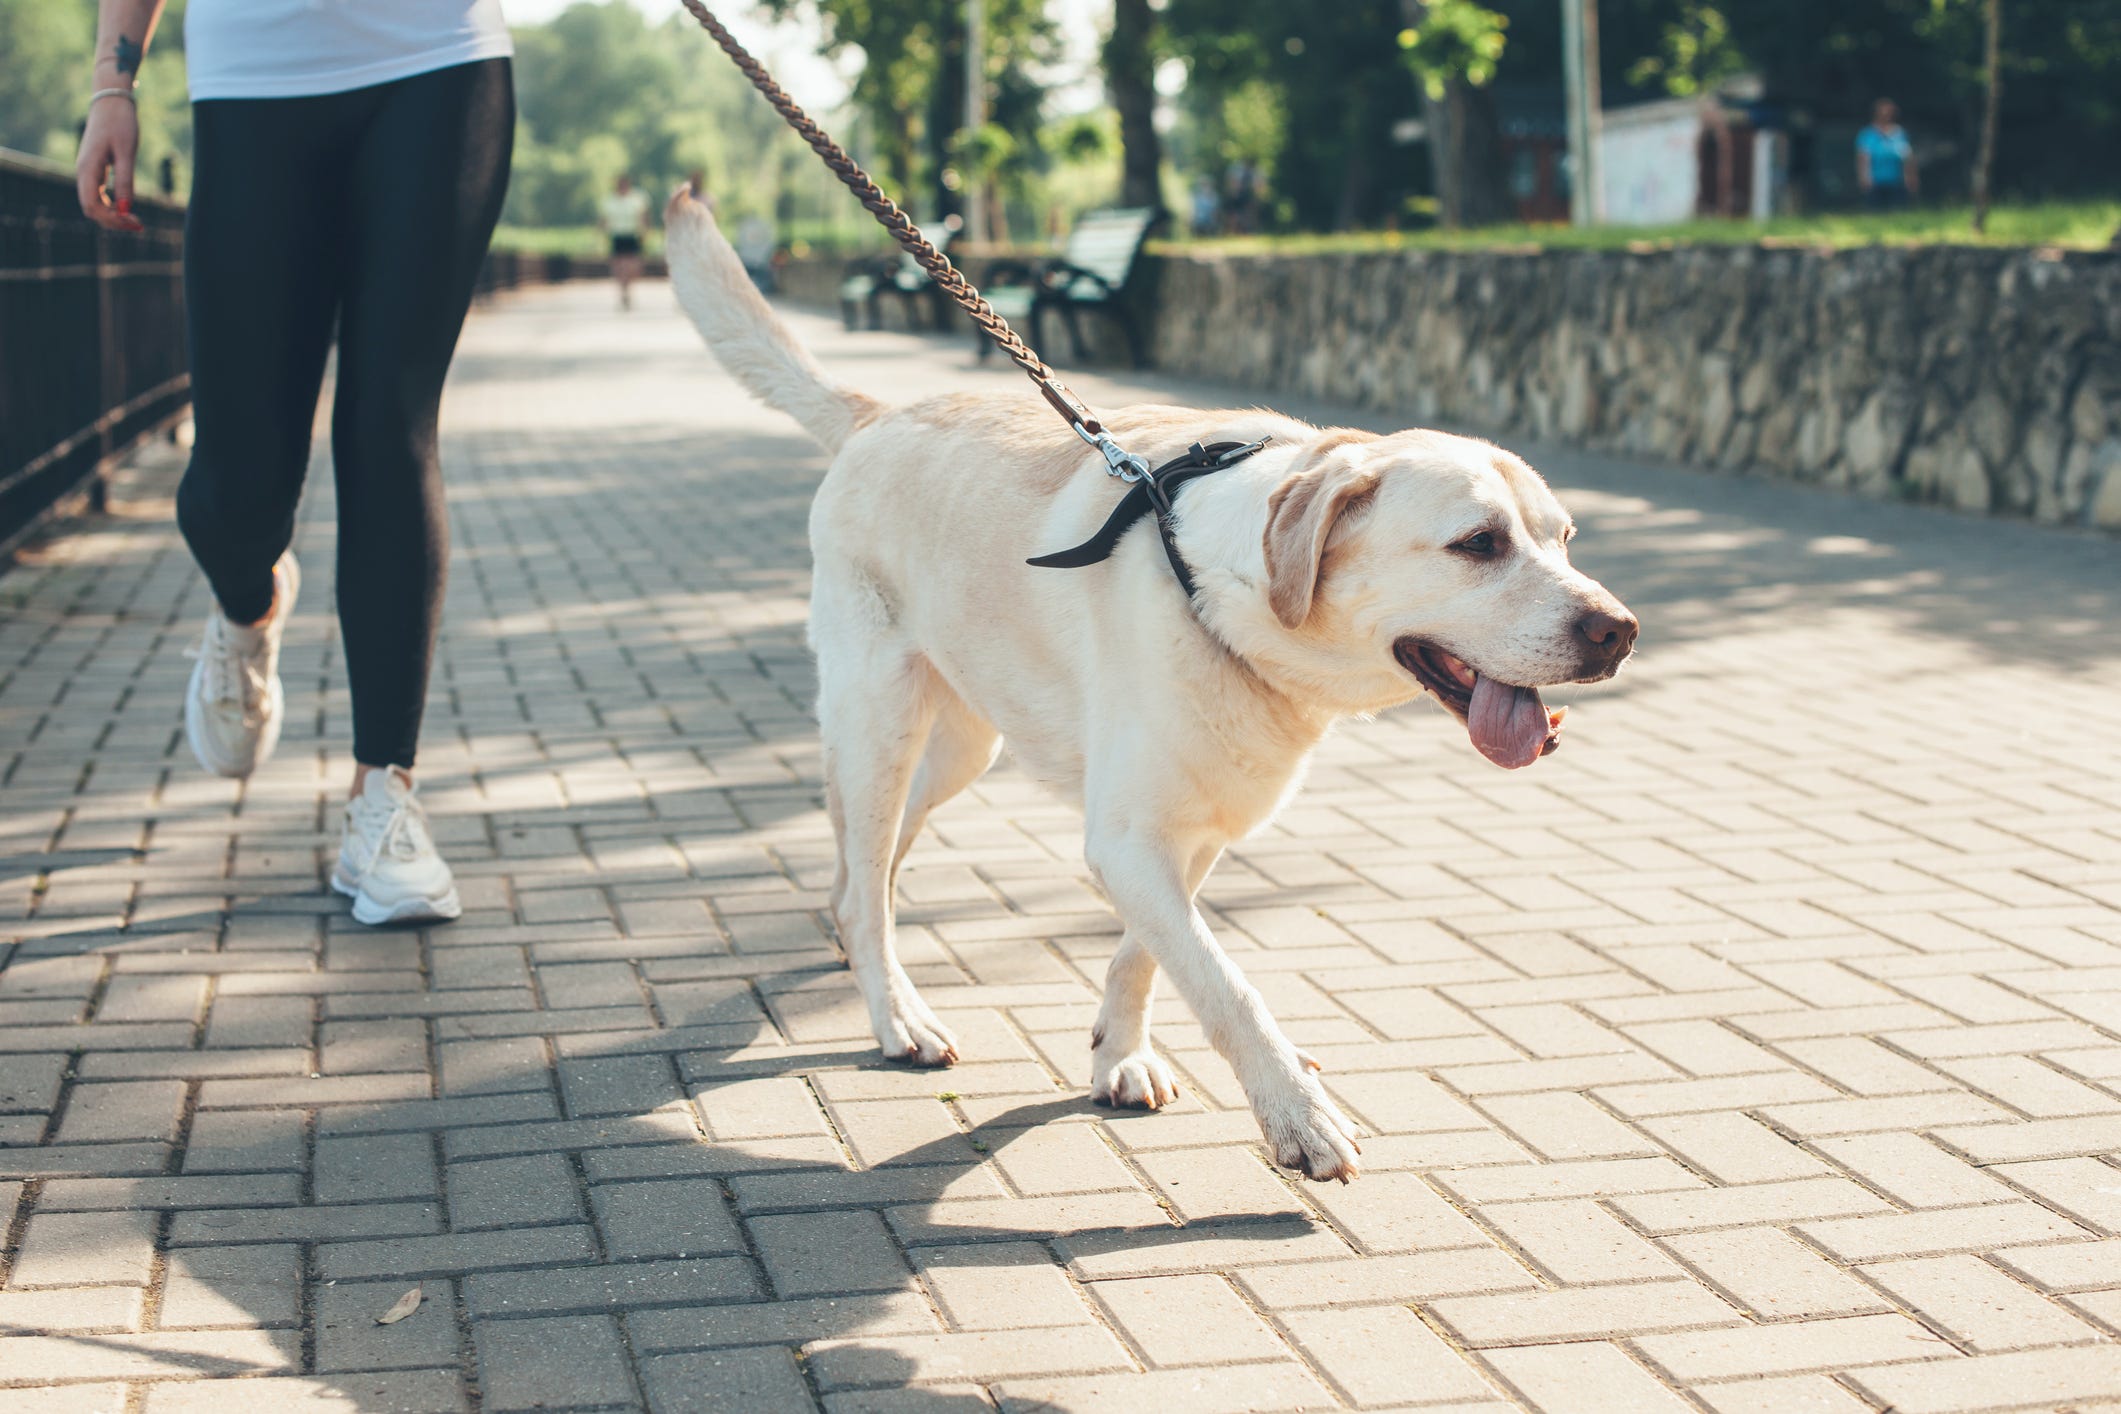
866	281
1091	273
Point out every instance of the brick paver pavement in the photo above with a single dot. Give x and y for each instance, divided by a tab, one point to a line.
1761	1051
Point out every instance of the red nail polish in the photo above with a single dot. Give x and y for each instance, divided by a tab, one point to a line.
125	206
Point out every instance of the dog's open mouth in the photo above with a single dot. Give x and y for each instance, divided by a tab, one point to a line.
1509	725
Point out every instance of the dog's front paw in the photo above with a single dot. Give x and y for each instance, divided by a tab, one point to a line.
911	1033
1307	1132
1136	1081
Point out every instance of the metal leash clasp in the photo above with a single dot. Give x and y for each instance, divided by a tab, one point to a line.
1119	461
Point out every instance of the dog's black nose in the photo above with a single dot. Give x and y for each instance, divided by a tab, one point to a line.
1607	635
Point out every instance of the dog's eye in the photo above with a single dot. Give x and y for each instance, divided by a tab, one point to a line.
1481	545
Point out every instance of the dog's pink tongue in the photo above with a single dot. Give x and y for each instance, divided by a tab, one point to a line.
1509	725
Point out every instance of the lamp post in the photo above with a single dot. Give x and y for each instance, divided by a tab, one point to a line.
975	118
1579	66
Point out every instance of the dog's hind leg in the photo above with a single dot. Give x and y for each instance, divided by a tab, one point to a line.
877	702
961	746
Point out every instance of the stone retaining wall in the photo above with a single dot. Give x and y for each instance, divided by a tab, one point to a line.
1989	380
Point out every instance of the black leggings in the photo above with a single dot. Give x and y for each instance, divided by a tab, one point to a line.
373	208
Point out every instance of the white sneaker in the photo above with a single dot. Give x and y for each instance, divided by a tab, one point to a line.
387	862
234	707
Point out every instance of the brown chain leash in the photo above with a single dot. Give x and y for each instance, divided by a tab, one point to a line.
948	278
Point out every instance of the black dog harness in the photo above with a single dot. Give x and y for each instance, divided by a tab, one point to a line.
1153	492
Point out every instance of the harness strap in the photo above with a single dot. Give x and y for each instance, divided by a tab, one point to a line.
1153	493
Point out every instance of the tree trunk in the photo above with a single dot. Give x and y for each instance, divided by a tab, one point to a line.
1483	184
1985	162
1465	153
946	113
1130	75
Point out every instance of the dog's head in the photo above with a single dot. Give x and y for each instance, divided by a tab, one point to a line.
1424	561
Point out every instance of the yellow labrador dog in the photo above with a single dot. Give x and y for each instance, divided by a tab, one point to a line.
1338	573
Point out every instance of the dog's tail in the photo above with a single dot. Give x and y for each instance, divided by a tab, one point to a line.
744	332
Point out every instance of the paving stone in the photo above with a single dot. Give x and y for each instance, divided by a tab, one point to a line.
576	1361
1236	1390
1792	1347
672	1219
1772	1276
999	1286
818	1253
76	1308
725	1382
2043	1377
613	1286
83	1249
537	1188
780	1322
454	1252
232	1287
1588	1377
374	1167
143	1109
1187	1320
1377	1355
1582	1312
1944	1230
1393	1280
154	1354
1977	1305
348	1337
438	1391
1578	1242
981	1356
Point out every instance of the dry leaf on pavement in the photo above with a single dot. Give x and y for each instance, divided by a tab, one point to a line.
401	1308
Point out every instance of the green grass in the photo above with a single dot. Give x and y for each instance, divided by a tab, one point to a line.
2074	225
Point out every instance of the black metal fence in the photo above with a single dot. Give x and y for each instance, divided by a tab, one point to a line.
91	337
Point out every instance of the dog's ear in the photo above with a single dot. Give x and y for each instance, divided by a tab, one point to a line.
1301	517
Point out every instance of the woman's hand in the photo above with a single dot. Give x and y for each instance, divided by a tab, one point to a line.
109	143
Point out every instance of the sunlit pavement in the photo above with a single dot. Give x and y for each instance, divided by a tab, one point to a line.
1760	1051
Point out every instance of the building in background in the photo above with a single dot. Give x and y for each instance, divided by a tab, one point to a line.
1726	154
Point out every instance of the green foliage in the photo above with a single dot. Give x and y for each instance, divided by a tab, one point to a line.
1456	39
911	87
1314	89
1694	54
46	53
42	41
602	91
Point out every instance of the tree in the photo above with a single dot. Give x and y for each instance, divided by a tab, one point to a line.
1321	88
1454	48
910	87
1130	77
1985	163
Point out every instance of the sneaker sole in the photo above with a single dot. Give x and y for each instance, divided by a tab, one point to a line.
405	910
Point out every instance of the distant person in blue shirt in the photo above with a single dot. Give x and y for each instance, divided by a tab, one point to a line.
1885	161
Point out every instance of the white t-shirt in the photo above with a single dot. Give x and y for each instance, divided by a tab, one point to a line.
622	211
298	48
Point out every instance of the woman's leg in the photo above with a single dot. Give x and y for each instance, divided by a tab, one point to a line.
425	190
261	265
